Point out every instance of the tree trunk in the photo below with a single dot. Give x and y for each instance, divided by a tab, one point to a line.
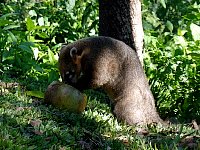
122	20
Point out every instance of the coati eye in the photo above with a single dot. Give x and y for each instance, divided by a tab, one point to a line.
70	74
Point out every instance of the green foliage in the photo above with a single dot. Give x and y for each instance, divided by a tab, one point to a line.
172	55
31	34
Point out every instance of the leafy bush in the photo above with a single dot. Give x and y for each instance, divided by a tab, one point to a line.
172	57
31	34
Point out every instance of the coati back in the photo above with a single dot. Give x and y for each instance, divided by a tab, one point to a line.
112	65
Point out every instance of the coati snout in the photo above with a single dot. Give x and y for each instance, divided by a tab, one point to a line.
114	66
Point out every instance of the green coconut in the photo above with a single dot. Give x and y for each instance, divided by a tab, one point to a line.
65	97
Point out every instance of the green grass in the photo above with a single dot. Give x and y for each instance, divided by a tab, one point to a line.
27	123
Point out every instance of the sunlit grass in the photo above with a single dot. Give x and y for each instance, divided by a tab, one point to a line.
27	123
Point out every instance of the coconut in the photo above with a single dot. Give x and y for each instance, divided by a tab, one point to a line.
65	97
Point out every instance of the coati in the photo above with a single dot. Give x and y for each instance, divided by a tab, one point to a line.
112	65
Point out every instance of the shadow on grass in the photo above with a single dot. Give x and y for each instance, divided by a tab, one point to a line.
30	124
27	123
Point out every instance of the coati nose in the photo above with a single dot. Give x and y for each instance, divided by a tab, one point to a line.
74	79
65	82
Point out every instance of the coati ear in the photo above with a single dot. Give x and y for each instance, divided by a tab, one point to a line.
75	56
73	52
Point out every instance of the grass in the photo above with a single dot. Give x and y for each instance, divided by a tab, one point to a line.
27	123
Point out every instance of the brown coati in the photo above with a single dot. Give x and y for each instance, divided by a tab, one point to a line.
112	65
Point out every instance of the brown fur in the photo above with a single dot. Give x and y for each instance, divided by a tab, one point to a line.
112	65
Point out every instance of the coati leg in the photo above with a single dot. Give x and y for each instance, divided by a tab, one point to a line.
134	110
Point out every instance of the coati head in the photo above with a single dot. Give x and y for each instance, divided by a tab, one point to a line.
70	64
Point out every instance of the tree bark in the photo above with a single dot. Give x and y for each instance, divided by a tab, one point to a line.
122	20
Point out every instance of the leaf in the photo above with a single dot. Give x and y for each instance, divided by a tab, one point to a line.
32	13
26	48
37	94
37	132
38	68
181	41
30	24
195	29
153	20
181	32
8	15
41	21
94	23
163	3
195	56
35	123
43	35
169	25
70	5
51	57
13	38
4	22
86	14
35	52
28	43
11	27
